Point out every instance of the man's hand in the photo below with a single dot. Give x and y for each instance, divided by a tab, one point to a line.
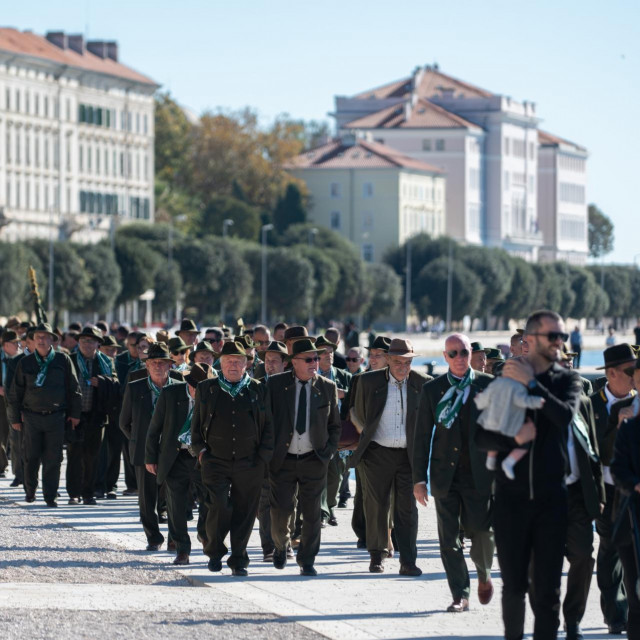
17	426
74	422
1	391
94	381
152	468
341	393
420	493
602	507
518	370
527	433
625	414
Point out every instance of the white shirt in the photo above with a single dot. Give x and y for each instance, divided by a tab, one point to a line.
392	430
611	400
301	442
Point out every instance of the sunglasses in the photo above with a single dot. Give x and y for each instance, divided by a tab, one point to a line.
352	359
463	353
308	360
552	336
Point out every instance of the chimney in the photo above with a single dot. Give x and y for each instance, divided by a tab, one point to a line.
76	43
112	50
98	48
59	38
348	139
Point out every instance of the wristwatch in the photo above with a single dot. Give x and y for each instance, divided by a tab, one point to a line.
532	384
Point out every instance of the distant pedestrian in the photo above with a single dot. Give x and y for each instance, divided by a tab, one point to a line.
636	332
611	338
576	346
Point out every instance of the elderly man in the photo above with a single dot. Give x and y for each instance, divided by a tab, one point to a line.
384	409
44	395
129	358
100	393
203	354
215	337
307	425
188	332
232	433
278	331
355	360
478	357
139	402
458	478
179	351
9	347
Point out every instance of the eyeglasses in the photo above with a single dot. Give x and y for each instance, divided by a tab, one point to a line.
552	336
463	353
352	359
308	360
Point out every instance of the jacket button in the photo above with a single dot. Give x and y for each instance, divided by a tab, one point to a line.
287	444
455	448
452	464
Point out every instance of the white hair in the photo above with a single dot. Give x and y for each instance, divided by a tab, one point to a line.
461	337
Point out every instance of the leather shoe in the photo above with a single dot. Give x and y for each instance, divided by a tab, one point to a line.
308	570
279	559
376	566
458	605
410	570
239	572
181	558
30	497
290	552
171	545
485	591
215	564
73	501
112	495
15	483
323	522
51	503
333	521
130	492
573	632
267	556
361	544
342	504
156	546
89	501
162	517
617	629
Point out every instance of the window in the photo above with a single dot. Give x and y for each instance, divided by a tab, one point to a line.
8	196
7	99
532	150
36	103
532	183
37	197
18	160
474	218
68	200
98	161
572	227
367	252
439	144
507	182
56	152
367	190
519	148
17	193
8	146
572	193
46	106
36	150
474	179
506	146
137	123
121	164
145	123
426	145
17	99
81	158
27	195
335	190
336	222
106	162
367	221
89	154
68	114
27	151
572	163
146	167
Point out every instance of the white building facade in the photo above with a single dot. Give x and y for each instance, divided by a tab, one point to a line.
76	138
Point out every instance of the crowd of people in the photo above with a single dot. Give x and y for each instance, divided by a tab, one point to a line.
520	455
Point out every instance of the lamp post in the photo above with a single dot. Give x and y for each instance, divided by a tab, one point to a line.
225	225
407	288
51	263
263	314
312	236
449	285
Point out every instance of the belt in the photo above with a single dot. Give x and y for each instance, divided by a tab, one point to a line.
300	456
44	413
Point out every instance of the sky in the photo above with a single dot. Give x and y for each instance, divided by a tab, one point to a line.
578	60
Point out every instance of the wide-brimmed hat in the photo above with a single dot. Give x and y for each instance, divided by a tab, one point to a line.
322	342
187	325
203	345
629	370
277	347
477	346
158	351
233	348
9	335
401	347
618	354
246	341
12	322
381	342
177	345
304	345
91	332
494	354
109	341
162	336
297	332
44	327
198	372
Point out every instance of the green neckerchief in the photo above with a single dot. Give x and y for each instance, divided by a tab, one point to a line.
184	436
44	366
137	364
581	434
449	406
233	389
156	390
103	362
182	367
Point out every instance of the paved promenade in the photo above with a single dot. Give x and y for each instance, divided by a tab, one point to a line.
82	571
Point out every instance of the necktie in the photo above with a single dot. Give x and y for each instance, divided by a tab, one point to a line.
301	418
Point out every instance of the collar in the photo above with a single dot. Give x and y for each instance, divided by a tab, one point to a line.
611	398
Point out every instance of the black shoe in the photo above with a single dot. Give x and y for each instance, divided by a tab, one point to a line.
342	504
215	564
51	503
73	501
332	521
156	546
239	572
290	552
89	501
410	570
267	556
279	559
361	544
376	566
617	628
112	495
308	570
98	495
15	483
573	632
323	522
162	517
30	497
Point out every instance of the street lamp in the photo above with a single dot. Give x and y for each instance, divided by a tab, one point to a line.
312	236
225	225
265	229
450	285
407	287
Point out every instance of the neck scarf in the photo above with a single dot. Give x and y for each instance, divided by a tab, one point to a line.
449	406
233	389
184	437
156	390
44	366
103	363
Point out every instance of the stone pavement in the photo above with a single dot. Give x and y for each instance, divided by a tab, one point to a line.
92	591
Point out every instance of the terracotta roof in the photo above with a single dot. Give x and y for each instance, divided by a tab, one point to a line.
430	85
424	115
362	155
31	44
549	140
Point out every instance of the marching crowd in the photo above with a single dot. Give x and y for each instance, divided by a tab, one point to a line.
519	455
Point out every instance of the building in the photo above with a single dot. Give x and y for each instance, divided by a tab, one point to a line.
76	137
489	147
371	194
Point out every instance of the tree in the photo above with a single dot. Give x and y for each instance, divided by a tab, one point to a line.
617	283
15	292
171	145
290	209
168	288
519	302
105	279
587	302
600	233
246	218
386	288
326	278
138	264
549	288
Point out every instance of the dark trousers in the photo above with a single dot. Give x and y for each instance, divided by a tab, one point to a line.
613	600
17	454
385	471
464	507
234	493
130	474
577	349
43	438
335	470
5	428
526	528
147	502
628	559
358	522
109	460
308	474
579	552
82	462
345	492
179	500
264	517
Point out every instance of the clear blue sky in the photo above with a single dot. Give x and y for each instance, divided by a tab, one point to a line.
579	60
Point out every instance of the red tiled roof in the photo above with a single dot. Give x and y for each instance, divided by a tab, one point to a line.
31	44
395	89
548	139
361	155
424	115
